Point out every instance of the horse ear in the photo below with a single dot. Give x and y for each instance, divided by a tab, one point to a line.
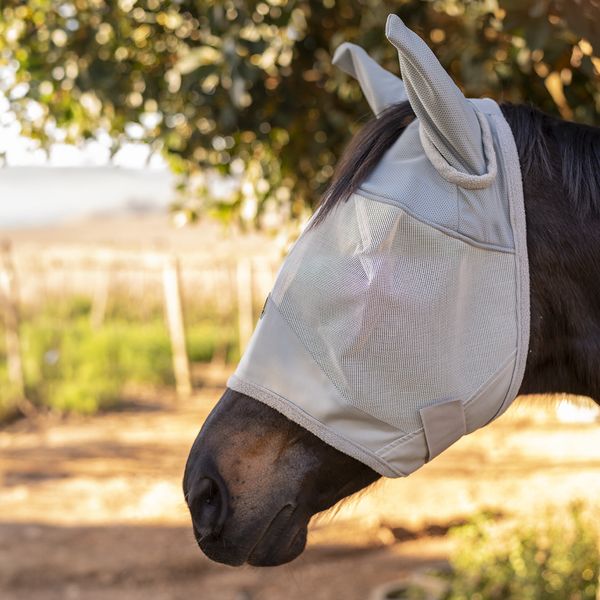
381	88
448	119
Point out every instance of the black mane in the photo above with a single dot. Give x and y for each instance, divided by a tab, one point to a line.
568	154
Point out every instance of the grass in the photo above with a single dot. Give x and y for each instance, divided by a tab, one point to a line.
70	367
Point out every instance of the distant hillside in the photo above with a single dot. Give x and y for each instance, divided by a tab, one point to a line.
36	196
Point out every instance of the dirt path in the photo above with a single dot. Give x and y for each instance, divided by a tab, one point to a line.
92	508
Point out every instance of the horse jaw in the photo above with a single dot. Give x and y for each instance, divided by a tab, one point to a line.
254	479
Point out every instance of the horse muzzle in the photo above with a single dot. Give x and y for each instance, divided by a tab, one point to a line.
273	535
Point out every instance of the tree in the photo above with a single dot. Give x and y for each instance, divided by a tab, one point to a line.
246	87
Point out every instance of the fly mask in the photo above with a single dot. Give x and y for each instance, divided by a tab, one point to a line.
401	322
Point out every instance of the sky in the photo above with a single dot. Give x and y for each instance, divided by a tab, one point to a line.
70	182
40	196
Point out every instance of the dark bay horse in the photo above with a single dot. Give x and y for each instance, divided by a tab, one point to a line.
254	479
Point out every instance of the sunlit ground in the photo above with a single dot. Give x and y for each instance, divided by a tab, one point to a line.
93	505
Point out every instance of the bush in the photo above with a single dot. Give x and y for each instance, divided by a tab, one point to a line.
70	367
558	561
204	337
8	394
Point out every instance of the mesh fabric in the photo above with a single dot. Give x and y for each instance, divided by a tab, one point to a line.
381	301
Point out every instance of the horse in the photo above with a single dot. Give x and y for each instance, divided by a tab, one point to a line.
254	478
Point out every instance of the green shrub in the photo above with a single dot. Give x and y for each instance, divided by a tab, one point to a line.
70	367
558	561
8	393
202	340
208	333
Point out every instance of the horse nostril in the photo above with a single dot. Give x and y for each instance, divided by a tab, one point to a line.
207	505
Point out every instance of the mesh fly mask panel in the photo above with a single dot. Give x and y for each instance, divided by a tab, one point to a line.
401	322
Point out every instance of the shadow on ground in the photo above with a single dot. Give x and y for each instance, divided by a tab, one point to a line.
44	562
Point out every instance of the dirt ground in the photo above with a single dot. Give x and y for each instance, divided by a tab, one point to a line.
91	508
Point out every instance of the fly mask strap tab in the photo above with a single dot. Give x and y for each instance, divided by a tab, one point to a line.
447	117
381	88
444	424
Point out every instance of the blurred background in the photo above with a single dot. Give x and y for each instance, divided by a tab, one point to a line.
157	159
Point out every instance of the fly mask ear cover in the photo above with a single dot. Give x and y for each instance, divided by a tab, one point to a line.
401	322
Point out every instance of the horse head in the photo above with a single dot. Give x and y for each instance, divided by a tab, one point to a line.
398	322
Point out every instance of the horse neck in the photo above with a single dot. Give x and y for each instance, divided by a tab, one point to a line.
564	267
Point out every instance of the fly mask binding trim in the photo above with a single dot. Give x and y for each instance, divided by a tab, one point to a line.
449	173
401	321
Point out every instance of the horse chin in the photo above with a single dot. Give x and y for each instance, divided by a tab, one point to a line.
280	542
269	554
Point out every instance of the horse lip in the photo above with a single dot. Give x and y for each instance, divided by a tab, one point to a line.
272	547
260	555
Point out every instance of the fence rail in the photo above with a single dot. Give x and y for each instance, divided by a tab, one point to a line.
179	280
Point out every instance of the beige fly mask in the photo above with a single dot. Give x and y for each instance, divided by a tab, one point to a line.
401	322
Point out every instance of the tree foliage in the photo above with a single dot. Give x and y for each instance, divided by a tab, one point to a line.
246	87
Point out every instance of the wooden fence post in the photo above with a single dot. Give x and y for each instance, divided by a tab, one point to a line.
244	298
11	319
181	365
